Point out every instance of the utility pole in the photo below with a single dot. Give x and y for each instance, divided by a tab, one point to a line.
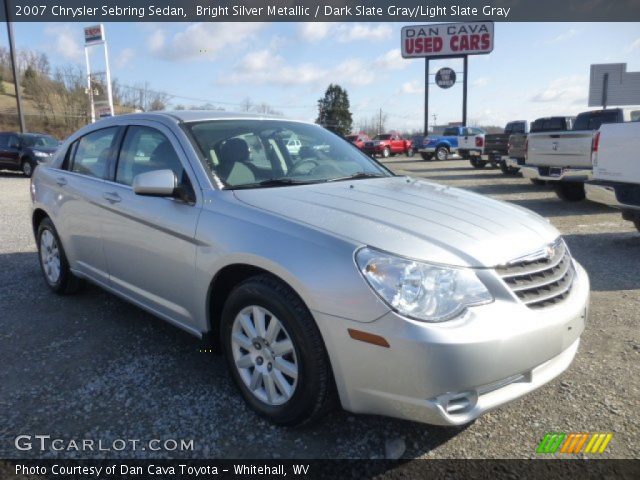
14	67
435	119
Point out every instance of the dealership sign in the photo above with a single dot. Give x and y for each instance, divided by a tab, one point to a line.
93	35
445	77
447	39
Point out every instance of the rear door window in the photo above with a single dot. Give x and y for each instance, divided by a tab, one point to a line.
593	120
93	151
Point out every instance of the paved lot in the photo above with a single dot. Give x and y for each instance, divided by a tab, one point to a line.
92	366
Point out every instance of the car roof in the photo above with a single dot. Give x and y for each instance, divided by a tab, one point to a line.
200	115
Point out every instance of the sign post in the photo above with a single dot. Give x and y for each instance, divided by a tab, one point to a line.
94	36
446	40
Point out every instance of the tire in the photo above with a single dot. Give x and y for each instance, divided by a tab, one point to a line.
311	392
442	154
410	152
49	246
570	191
476	163
537	181
386	153
27	167
508	170
426	156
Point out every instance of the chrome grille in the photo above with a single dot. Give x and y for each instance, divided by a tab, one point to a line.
543	279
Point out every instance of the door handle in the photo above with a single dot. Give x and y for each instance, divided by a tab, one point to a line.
61	181
112	197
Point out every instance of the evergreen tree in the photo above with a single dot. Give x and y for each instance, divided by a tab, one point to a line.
333	111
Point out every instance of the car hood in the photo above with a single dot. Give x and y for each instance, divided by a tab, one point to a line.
413	218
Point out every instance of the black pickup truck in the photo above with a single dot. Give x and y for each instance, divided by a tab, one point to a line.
496	145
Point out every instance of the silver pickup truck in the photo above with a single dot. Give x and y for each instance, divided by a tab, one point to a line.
565	157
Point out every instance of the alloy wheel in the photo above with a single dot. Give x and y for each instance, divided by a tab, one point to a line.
264	355
50	256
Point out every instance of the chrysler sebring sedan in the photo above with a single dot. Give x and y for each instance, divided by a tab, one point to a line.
320	274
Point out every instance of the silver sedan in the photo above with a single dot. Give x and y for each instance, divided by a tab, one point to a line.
318	273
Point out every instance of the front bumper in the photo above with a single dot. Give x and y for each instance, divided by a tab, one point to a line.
453	372
374	149
556	174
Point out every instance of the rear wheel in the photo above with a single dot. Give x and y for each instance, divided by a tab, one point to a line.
477	163
442	153
426	156
275	352
53	260
570	191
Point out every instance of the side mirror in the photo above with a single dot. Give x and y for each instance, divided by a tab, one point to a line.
156	183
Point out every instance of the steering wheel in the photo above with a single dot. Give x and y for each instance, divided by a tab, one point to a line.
297	166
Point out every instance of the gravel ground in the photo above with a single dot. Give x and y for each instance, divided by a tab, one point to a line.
92	366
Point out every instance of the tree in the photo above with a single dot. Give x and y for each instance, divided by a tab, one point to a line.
333	110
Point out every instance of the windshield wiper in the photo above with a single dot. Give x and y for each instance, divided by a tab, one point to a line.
358	176
272	182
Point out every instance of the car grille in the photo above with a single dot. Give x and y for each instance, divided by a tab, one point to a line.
543	279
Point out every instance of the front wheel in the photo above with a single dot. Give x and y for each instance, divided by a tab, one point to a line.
410	152
477	162
426	156
386	153
27	168
53	260
570	191
275	352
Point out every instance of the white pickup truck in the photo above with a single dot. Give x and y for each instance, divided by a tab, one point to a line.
565	158
616	169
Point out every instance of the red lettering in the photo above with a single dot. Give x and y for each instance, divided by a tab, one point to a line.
437	44
464	42
474	43
453	43
408	45
485	41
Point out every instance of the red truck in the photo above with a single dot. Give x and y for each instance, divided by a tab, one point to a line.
388	144
358	140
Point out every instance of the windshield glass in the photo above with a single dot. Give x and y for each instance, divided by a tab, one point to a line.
259	153
46	141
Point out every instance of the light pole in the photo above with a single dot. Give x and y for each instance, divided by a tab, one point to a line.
14	68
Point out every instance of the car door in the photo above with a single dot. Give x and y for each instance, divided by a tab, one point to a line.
4	144
78	186
150	241
12	152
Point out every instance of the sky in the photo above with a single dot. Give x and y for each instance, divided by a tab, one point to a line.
536	69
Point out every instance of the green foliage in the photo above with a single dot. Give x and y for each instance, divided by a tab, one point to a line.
333	110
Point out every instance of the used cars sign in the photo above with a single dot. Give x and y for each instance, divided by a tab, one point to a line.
443	39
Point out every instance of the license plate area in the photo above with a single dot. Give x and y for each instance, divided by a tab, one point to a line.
555	172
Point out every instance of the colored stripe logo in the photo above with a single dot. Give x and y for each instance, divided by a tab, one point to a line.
573	443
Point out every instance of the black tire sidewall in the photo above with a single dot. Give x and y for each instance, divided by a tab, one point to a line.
27	161
305	396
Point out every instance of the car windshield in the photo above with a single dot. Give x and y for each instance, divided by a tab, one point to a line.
258	153
46	141
382	137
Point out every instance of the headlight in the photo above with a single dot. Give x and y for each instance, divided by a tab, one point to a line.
433	293
40	154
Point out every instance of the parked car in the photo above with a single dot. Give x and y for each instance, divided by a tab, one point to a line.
441	146
616	169
565	157
24	151
517	146
496	146
388	144
471	146
322	276
358	140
